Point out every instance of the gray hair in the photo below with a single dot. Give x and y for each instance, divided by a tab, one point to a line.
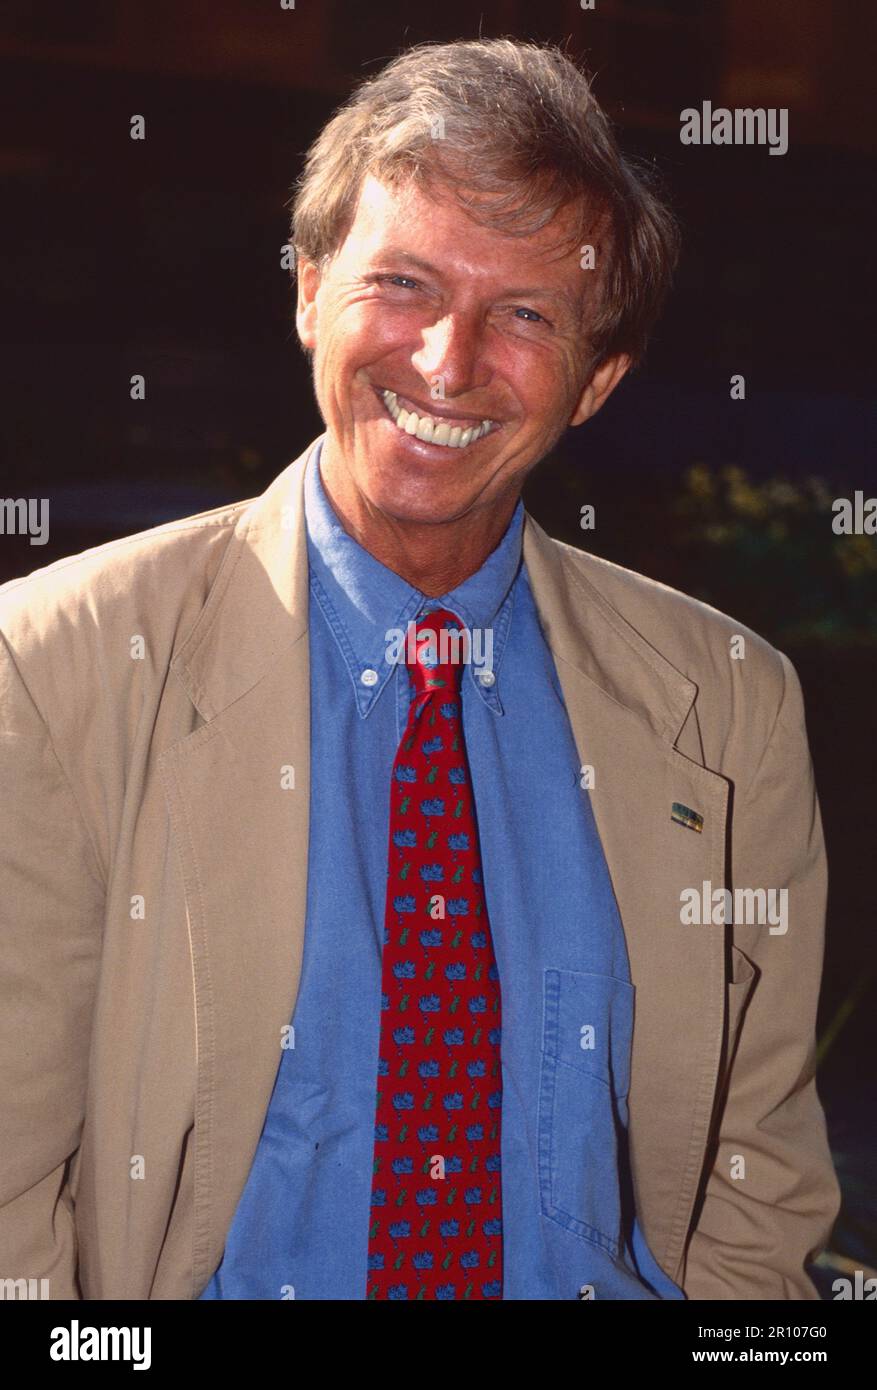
515	130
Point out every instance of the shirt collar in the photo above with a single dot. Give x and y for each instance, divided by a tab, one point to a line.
363	601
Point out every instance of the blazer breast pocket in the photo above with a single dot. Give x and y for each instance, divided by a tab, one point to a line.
585	1072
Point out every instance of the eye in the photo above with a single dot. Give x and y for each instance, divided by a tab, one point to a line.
533	316
396	279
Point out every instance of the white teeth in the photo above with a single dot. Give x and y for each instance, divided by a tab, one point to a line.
430	430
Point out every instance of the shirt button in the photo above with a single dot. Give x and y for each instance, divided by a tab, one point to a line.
487	677
369	677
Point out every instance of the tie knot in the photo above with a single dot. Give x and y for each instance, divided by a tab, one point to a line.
436	648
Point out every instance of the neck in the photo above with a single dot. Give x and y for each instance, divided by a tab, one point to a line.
433	557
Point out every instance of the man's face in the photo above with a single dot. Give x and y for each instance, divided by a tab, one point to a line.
480	336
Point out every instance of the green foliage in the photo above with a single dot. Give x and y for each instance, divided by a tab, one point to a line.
767	552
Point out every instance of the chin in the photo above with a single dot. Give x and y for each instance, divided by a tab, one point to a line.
425	510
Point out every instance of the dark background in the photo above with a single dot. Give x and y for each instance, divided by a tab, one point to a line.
163	257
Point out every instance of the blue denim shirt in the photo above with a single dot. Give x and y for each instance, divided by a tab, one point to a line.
301	1227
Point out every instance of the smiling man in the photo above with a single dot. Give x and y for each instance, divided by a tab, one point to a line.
338	964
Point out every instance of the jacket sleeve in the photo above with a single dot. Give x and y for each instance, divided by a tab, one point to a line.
761	1219
51	914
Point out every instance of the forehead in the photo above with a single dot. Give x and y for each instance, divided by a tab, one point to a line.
430	224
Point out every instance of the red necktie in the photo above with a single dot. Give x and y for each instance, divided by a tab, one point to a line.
436	1212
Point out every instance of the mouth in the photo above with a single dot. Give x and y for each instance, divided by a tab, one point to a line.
446	431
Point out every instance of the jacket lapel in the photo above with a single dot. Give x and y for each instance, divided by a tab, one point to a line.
238	794
631	715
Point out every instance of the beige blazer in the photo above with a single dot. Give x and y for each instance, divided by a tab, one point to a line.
153	865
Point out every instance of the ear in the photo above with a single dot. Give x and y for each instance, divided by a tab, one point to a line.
600	387
308	281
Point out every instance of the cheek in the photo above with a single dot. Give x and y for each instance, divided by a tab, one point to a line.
542	386
362	333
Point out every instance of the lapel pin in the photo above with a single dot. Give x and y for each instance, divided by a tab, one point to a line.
683	815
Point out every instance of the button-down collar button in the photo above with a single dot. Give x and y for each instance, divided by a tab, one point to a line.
369	677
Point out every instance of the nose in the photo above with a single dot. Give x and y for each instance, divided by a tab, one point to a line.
452	353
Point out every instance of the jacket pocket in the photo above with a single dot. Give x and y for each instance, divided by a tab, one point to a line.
739	989
584	1081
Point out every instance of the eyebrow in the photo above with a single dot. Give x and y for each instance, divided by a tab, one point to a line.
393	253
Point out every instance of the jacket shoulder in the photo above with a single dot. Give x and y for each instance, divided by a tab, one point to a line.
700	641
166	569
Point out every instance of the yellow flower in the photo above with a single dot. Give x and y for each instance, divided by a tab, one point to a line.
857	554
781	493
700	480
747	499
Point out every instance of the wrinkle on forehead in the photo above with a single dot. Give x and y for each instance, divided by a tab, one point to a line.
508	209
